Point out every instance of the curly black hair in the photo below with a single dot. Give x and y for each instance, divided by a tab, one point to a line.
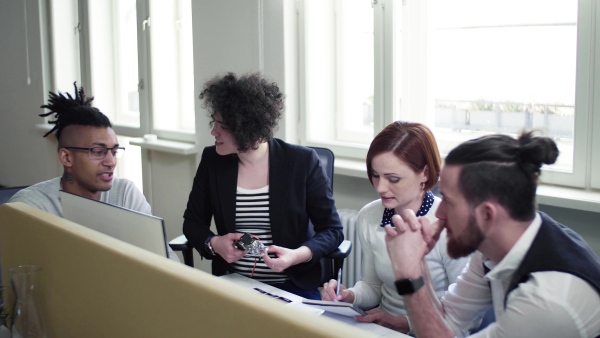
73	111
250	106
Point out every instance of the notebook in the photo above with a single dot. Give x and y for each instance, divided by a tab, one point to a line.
136	228
342	308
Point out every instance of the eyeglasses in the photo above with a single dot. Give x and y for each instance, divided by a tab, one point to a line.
99	153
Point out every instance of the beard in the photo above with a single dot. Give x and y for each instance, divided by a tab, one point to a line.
467	243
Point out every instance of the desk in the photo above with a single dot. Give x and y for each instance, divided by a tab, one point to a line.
296	301
139	293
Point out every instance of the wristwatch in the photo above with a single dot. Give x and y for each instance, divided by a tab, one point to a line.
409	286
209	247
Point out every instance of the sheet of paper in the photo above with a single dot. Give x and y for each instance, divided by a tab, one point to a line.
296	301
267	290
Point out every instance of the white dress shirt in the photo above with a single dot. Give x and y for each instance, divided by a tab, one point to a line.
548	304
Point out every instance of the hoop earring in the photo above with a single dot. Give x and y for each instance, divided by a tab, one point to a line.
422	186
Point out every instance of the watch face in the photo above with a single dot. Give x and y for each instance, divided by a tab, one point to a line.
409	286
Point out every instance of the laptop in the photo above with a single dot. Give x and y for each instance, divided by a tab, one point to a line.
142	230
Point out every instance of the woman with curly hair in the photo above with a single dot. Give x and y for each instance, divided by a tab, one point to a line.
251	182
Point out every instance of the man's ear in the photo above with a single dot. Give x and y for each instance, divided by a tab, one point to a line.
64	156
485	214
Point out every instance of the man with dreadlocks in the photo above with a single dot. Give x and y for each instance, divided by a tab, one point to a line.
88	150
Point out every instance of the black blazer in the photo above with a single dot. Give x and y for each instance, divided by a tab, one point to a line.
298	191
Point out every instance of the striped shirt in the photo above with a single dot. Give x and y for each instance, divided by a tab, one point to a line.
252	216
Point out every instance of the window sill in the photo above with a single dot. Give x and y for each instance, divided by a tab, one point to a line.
44	127
173	147
557	196
570	198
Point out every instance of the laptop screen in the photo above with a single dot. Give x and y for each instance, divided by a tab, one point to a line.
142	230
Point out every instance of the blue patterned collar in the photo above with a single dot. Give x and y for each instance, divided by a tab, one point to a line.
423	210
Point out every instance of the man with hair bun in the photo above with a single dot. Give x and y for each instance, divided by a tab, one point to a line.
88	150
540	277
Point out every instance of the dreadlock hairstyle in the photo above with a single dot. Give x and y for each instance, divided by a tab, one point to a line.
73	111
504	169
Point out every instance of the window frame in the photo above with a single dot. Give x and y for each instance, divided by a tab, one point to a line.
588	56
146	118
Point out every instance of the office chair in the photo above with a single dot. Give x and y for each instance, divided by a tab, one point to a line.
7	193
332	263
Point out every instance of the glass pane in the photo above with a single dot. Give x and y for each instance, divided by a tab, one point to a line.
114	59
130	165
172	65
502	66
339	70
65	41
356	69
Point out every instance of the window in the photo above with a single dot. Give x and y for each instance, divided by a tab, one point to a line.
172	72
338	68
113	60
509	67
464	68
65	42
136	59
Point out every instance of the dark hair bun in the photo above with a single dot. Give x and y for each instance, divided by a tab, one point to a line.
536	151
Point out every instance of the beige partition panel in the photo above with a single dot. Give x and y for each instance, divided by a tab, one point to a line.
96	286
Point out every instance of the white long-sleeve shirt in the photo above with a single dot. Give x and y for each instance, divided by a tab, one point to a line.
548	304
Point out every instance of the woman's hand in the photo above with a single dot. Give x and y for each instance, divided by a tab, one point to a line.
286	257
223	246
329	289
380	317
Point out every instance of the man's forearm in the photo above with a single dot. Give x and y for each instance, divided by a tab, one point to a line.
426	319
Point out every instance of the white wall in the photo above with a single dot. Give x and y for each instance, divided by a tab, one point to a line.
25	157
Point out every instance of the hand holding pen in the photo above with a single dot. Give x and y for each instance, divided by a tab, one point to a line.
333	291
337	290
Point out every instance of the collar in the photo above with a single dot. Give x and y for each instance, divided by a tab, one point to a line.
507	266
423	210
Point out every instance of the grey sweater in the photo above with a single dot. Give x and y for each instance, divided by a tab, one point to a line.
45	196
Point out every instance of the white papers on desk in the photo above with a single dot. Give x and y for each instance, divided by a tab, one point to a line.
296	301
267	290
342	308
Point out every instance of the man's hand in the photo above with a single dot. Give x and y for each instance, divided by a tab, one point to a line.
378	316
406	244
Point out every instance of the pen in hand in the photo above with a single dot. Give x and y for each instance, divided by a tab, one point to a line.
339	283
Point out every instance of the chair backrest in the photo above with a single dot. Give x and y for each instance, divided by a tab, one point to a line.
327	159
7	193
